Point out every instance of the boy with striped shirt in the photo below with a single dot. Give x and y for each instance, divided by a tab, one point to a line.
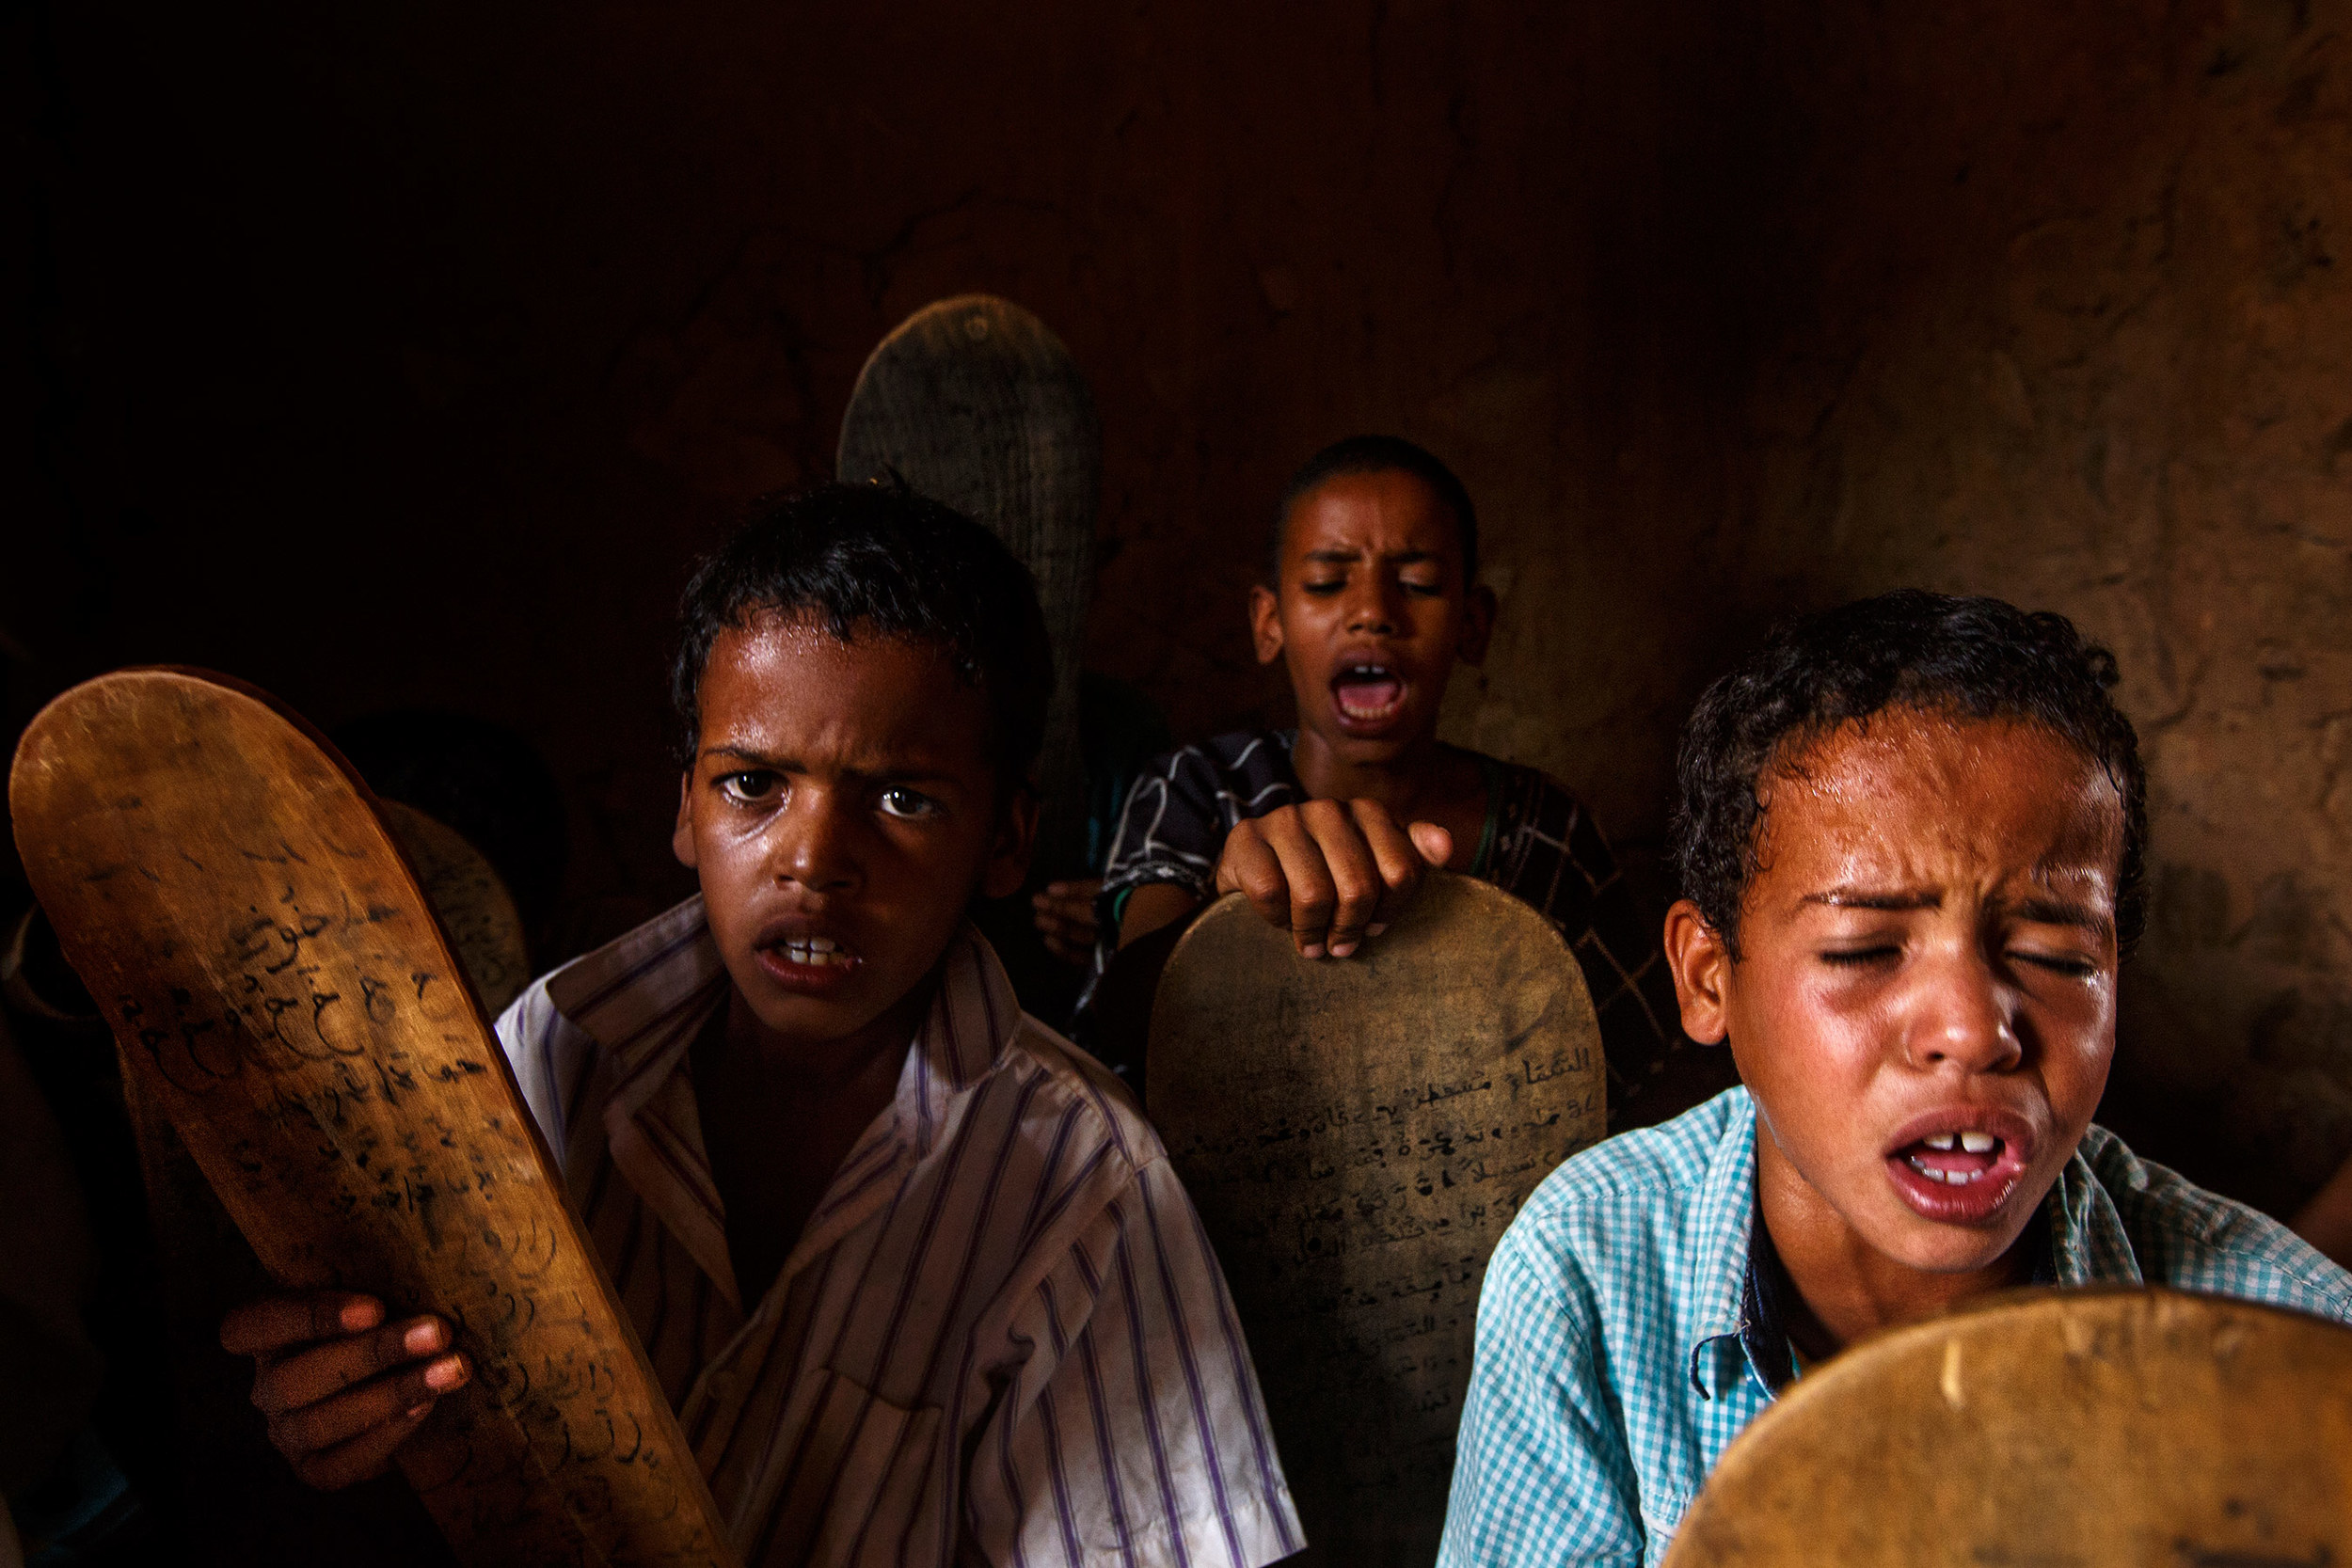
914	1274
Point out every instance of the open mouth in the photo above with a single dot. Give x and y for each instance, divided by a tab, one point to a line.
807	963
1955	1158
1962	1175
1368	694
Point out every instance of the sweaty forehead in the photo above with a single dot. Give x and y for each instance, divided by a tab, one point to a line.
1926	798
785	686
1385	512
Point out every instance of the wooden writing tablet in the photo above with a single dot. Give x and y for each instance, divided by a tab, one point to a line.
1357	1133
2097	1429
974	402
475	912
280	993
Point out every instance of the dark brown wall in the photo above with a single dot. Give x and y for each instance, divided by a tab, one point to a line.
402	356
2073	330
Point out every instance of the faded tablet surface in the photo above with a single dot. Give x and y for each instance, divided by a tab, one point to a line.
1357	1133
2101	1429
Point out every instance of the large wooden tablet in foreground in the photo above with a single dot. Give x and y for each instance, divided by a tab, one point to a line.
1357	1133
2101	1429
279	987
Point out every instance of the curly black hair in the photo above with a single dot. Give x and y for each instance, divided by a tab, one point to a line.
1976	658
1377	455
878	559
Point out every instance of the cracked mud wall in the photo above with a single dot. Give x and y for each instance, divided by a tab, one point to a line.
2075	328
402	357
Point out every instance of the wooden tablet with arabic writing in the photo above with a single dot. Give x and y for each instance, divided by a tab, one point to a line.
1357	1133
2105	1428
280	990
975	403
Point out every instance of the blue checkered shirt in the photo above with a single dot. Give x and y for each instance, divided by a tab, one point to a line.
1611	1370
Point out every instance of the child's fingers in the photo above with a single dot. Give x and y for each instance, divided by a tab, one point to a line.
1068	934
1397	856
307	1377
1067	925
1434	842
275	1323
1065	909
1251	865
1304	906
361	1457
314	1429
1348	868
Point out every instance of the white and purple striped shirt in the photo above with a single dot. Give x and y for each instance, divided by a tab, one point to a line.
1002	1335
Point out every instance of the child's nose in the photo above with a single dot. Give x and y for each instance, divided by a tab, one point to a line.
1963	1015
815	844
1373	611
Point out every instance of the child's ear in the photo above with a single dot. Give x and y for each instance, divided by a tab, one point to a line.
1265	624
1478	624
1016	835
682	836
1701	961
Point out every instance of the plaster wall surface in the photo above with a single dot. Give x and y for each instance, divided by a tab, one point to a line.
2073	331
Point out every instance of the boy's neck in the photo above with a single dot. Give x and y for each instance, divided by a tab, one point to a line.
1846	1288
755	1059
1412	785
778	1116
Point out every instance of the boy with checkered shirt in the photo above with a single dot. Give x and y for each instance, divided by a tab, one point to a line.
1911	837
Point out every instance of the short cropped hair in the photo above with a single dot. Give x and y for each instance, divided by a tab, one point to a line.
879	561
1972	658
1378	454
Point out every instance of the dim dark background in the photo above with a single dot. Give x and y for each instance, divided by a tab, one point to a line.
401	357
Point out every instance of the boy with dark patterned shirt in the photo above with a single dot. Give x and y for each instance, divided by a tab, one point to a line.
1373	597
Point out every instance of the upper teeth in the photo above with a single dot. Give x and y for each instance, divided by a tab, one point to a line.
814	950
1974	1143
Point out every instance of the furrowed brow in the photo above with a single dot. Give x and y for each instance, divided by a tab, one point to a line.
883	770
745	755
1858	898
2058	911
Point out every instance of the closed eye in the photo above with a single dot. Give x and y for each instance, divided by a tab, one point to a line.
2057	964
1858	957
1324	589
1422	589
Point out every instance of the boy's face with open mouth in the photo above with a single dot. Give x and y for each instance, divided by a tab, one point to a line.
1370	612
1923	1003
841	811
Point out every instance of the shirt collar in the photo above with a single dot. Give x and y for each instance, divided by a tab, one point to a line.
1721	1220
2089	1245
644	999
1741	1288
